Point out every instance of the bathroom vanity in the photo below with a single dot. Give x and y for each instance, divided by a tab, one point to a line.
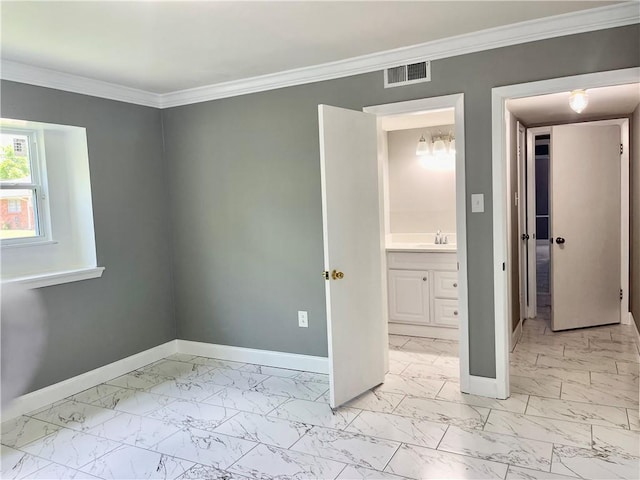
423	290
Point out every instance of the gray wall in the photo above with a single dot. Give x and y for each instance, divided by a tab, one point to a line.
95	322
634	260
245	192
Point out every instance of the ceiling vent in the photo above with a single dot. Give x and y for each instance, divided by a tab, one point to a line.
407	74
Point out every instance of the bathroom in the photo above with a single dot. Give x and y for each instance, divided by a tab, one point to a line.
420	225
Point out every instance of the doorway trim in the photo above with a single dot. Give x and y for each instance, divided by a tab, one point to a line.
499	97
468	383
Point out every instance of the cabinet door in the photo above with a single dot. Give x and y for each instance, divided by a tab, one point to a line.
445	284
445	312
409	296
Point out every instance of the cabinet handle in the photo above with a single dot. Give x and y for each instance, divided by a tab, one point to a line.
455	285
424	279
455	312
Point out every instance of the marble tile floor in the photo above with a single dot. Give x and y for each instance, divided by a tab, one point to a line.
191	417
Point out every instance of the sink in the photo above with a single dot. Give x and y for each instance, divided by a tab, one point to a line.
434	245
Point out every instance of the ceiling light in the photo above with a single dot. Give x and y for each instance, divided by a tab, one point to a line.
578	100
423	147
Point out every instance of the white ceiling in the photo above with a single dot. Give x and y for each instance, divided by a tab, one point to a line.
433	118
163	47
554	108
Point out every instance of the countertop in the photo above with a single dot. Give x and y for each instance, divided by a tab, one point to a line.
421	247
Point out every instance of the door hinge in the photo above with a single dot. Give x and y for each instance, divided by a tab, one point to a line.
621	294
504	266
621	149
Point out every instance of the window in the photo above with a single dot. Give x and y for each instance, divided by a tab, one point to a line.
22	200
46	215
14	206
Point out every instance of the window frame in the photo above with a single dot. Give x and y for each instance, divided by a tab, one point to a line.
38	185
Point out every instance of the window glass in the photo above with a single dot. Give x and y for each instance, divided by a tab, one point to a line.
17	214
15	164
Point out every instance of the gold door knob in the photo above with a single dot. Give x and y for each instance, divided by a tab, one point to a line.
336	275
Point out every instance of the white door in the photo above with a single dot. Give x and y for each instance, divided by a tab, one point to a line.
523	233
530	224
353	251
409	296
585	225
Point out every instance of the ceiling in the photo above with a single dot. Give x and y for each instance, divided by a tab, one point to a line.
433	118
164	47
554	108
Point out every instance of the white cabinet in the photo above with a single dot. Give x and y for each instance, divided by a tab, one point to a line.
423	294
409	296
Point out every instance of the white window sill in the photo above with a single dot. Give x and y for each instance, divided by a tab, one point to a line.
56	278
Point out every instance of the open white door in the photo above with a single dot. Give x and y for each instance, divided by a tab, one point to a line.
585	219
353	251
530	223
523	234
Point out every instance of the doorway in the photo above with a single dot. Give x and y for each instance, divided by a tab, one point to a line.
501	100
410	240
344	338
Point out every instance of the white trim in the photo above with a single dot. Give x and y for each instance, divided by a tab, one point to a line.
483	386
58	391
57	278
515	335
635	327
425	331
499	96
601	18
269	358
627	319
44	77
456	102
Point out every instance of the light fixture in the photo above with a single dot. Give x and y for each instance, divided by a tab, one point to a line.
423	147
439	153
578	100
439	147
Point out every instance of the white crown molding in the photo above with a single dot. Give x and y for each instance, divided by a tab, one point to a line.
44	77
549	27
601	18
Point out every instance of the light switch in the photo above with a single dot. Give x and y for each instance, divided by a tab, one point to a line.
477	202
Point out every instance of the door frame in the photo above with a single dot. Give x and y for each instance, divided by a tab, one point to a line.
532	267
499	97
468	383
527	216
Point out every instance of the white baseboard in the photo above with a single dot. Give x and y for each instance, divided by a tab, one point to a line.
53	393
635	327
483	386
627	319
293	361
515	335
443	333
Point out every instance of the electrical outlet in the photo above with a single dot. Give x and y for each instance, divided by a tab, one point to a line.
303	319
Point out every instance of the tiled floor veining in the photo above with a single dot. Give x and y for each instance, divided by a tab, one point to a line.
573	413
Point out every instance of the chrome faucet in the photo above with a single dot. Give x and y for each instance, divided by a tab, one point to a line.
441	239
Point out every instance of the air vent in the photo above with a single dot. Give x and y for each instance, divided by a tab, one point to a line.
407	74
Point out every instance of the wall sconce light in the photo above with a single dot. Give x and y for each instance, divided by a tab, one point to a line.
423	146
578	100
440	145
